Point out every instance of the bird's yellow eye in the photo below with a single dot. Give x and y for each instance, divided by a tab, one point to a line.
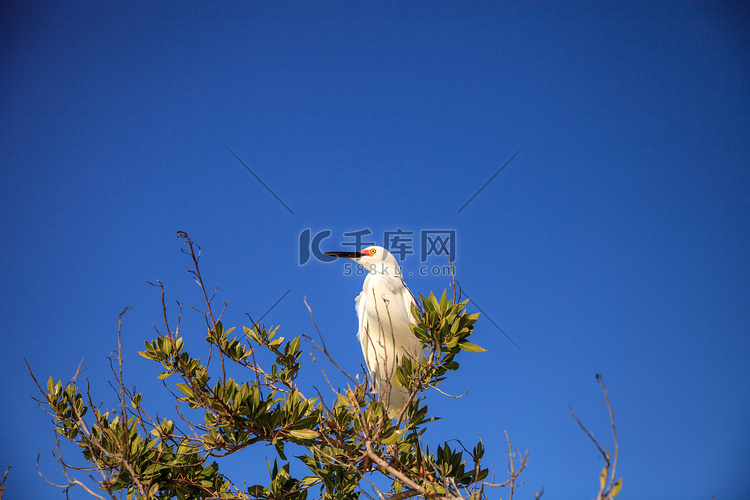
371	252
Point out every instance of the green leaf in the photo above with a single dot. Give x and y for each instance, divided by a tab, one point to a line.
279	445
452	343
603	478
185	389
136	400
309	481
164	375
468	346
304	433
478	451
616	488
393	437
305	423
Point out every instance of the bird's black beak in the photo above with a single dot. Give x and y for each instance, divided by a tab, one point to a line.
346	255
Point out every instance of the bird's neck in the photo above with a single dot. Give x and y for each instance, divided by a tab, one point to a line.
390	269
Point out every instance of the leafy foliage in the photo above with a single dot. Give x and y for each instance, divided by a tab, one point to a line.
351	444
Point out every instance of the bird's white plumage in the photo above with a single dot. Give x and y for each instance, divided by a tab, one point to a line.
384	313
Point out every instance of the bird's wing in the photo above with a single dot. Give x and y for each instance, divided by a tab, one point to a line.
409	300
391	314
359	305
409	341
371	347
384	312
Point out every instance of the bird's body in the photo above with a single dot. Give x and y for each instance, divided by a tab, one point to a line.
384	313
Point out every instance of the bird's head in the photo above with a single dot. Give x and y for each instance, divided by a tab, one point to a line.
376	260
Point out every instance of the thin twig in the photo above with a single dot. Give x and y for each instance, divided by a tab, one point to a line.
2	484
324	350
600	379
199	280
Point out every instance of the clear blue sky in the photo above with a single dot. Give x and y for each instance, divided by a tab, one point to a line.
616	242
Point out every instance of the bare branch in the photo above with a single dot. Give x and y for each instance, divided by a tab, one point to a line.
600	379
608	488
323	348
2	483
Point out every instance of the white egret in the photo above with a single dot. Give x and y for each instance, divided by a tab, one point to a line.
384	312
